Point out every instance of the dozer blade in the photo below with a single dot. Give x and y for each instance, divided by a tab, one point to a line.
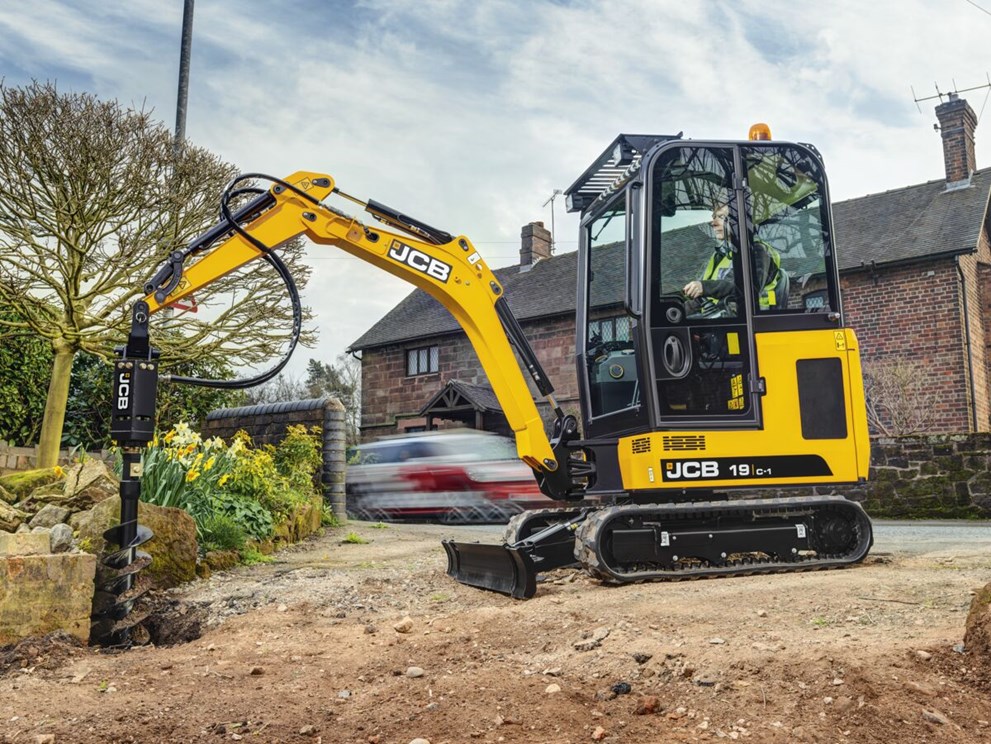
499	568
512	569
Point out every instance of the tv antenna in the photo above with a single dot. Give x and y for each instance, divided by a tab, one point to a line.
557	193
953	94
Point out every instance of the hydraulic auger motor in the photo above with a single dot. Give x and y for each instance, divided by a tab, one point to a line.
132	426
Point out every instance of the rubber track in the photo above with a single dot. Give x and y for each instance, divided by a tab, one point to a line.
589	538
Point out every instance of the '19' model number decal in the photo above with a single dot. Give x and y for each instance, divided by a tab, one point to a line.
419	260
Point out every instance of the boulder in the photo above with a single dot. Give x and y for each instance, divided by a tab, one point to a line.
88	483
61	538
977	636
173	548
6	496
23	483
49	516
10	517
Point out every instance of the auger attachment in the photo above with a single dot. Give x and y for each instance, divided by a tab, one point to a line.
132	426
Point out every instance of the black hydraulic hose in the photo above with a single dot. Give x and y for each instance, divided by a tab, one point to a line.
297	324
272	258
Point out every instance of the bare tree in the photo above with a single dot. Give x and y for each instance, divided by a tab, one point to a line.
284	387
93	197
342	381
900	400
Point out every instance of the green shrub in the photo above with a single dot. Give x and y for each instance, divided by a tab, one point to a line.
221	532
250	516
298	458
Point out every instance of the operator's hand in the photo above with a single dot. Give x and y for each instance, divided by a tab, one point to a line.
693	289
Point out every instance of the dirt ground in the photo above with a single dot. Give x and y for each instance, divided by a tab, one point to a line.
341	642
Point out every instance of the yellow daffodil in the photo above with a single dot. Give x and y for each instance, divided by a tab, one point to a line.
223	479
169	437
59	472
192	475
209	463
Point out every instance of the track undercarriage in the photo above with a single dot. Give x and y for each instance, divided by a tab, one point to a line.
655	542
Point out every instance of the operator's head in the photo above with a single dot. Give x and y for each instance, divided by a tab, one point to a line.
720	217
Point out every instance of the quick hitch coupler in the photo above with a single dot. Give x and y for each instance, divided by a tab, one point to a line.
132	426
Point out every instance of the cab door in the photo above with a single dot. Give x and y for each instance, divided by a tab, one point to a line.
700	309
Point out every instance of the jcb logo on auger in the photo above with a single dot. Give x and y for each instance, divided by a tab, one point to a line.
123	391
419	260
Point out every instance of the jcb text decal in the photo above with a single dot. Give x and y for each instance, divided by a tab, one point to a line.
745	468
123	391
419	260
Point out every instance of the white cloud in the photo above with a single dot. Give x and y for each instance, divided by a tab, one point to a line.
468	115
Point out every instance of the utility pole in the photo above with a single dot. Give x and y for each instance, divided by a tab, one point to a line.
184	53
557	193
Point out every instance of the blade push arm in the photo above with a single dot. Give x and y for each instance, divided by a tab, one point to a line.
446	267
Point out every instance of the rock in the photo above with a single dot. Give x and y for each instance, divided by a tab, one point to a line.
552	689
308	730
934	716
415	671
61	536
717	641
647	706
256	671
420	740
344	694
605	695
173	548
404	626
599	734
6	496
761	613
593	641
552	672
11	517
87	484
23	528
977	636
49	516
642	658
370	629
924	655
23	483
621	688
44	739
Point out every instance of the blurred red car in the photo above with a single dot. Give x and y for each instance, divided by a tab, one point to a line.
452	477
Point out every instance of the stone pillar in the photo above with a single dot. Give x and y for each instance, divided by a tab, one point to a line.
334	458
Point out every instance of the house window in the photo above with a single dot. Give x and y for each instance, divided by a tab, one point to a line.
421	361
610	329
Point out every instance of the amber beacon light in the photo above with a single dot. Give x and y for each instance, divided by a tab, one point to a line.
759	131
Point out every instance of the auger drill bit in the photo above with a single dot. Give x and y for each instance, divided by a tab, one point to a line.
132	426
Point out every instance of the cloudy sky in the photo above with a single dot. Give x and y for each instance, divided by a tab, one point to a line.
467	114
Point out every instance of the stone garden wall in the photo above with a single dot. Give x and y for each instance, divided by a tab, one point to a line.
942	476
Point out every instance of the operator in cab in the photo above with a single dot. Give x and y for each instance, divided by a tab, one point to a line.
717	293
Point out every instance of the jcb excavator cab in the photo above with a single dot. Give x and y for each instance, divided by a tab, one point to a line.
753	379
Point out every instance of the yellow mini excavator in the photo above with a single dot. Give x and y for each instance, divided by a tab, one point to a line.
711	356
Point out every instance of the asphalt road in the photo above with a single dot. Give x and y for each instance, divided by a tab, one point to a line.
931	536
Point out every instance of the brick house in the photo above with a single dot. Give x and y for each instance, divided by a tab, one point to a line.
915	268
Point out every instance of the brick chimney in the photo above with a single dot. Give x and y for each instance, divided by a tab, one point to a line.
957	122
535	245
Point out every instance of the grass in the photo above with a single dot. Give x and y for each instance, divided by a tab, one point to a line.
251	557
353	538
